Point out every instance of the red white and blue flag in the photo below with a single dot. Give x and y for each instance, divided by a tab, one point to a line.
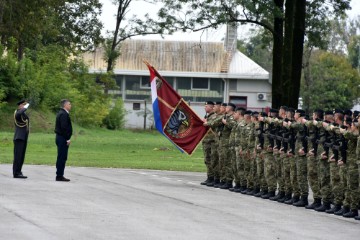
173	116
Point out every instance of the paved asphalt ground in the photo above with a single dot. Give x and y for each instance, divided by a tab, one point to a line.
143	204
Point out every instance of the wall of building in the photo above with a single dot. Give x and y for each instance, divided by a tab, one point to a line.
135	118
251	90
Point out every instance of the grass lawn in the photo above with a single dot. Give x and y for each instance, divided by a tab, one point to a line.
108	149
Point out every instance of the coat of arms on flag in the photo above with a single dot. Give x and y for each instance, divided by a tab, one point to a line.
173	116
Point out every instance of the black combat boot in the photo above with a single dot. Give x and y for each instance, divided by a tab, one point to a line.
218	185
286	197
242	188
278	196
262	192
244	191
334	209
253	192
227	185
233	189
315	204
248	191
292	200
325	206
302	202
357	218
206	181
342	211
211	184
351	214
268	195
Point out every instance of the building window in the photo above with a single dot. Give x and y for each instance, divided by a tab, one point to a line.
239	101
200	84
145	82
136	106
133	90
183	83
233	85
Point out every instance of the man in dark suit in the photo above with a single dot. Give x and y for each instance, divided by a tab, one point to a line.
21	121
63	130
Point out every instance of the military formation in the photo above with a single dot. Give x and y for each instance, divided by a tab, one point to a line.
282	154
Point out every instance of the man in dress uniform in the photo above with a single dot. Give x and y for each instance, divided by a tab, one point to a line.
21	121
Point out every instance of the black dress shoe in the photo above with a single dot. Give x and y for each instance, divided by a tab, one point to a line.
62	179
20	175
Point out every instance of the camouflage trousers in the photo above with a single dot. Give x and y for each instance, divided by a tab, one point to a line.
234	174
301	174
215	159
285	173
247	165
313	175
240	163
278	167
336	186
293	176
270	171
222	156
252	180
260	171
324	177
226	168
207	146
350	181
236	166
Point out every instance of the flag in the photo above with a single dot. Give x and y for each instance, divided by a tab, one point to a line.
173	116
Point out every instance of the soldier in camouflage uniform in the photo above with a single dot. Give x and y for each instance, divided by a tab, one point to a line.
269	163
244	151
235	135
229	123
312	159
336	187
216	125
208	143
357	154
285	159
324	165
278	156
253	142
260	159
300	157
352	173
240	175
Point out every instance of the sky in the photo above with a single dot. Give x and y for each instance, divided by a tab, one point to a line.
213	35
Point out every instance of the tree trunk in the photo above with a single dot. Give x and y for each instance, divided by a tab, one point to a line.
287	53
297	51
277	55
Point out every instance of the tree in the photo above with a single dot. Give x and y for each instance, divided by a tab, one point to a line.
72	24
127	28
258	47
197	15
332	83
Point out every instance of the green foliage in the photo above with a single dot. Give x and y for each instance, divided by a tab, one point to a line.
48	75
72	24
258	47
115	120
333	83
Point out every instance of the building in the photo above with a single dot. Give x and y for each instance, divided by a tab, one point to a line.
198	71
